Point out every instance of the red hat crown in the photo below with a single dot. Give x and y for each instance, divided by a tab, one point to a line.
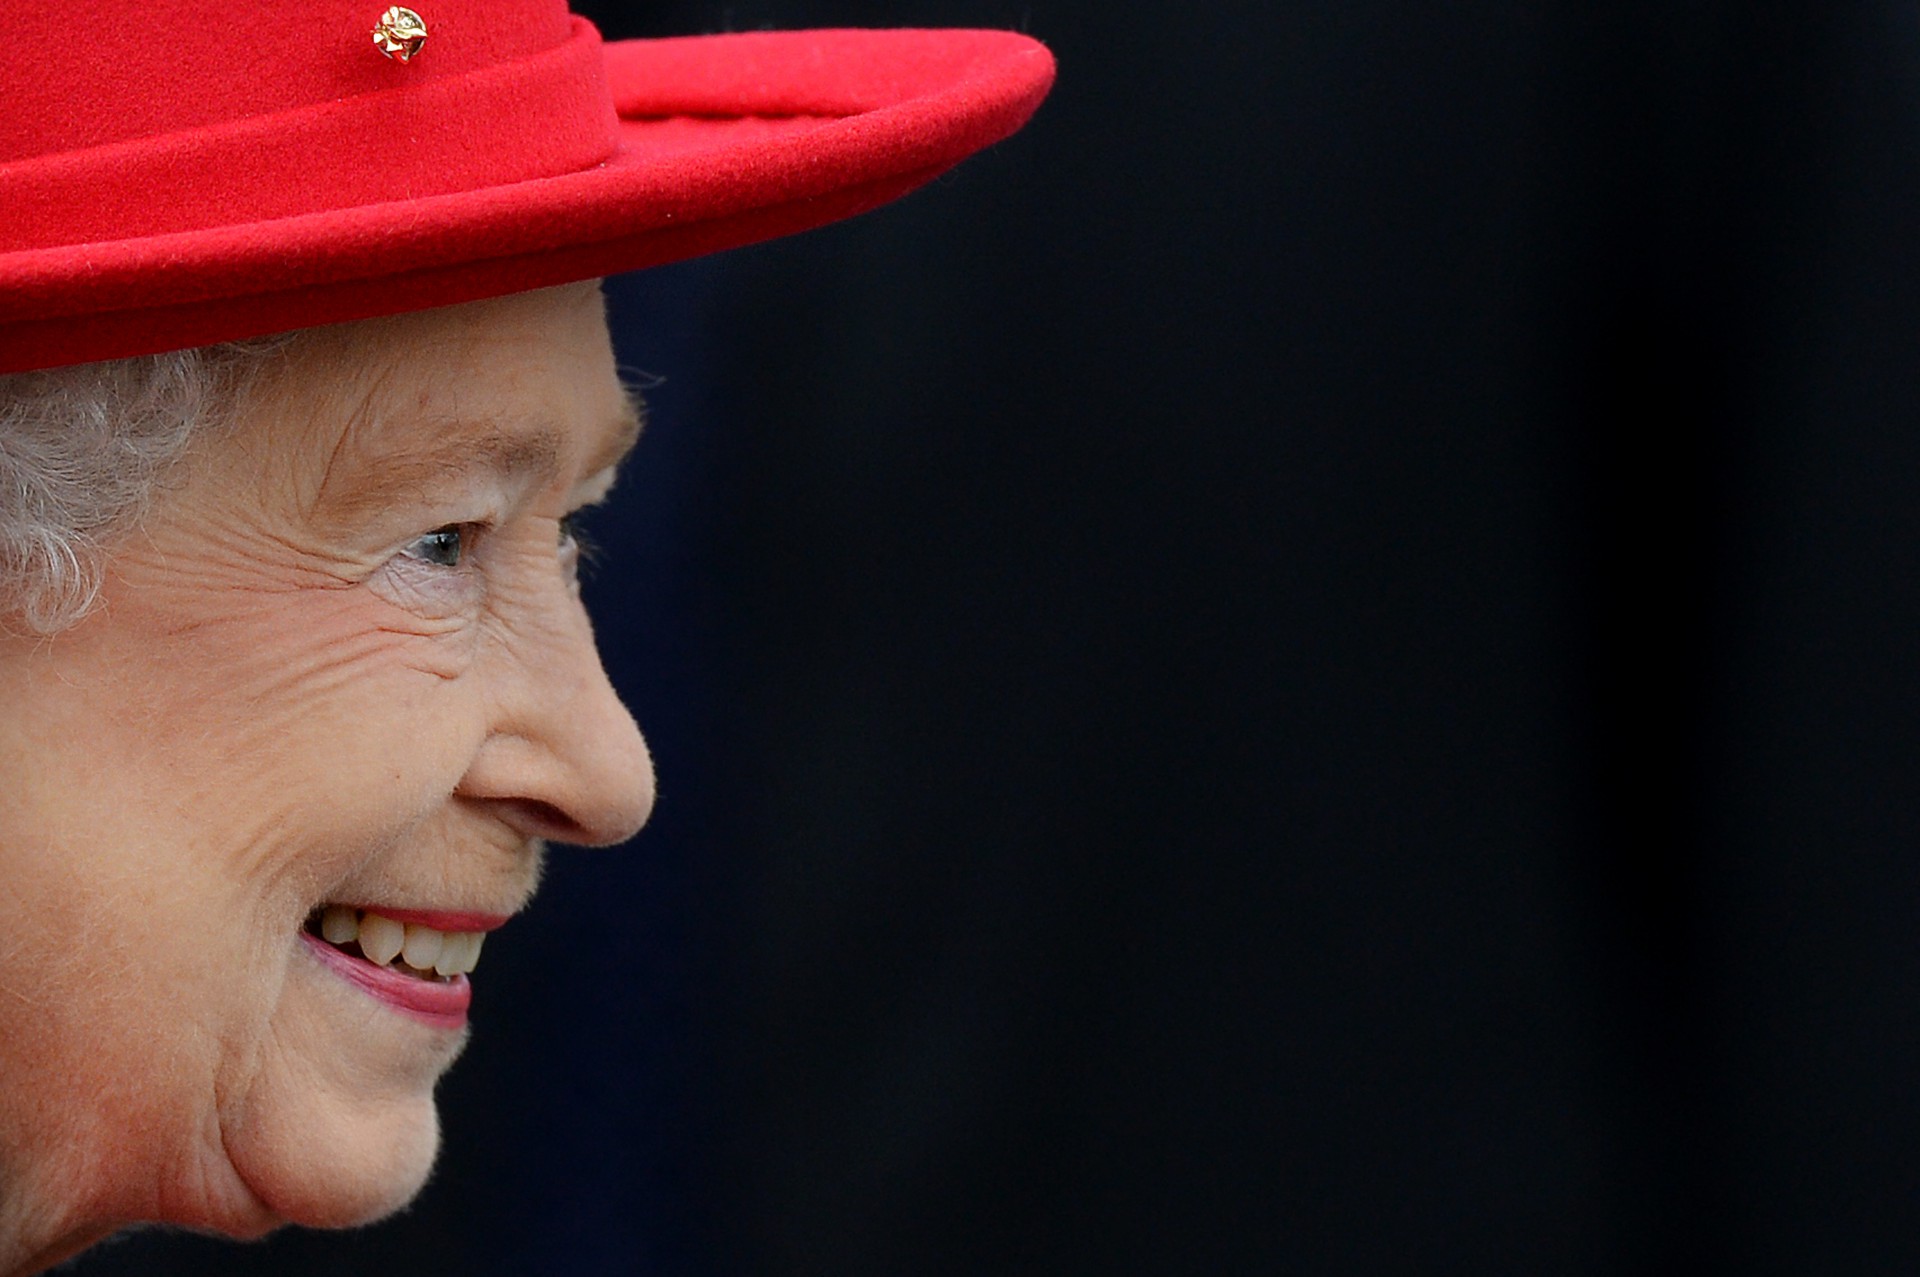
173	115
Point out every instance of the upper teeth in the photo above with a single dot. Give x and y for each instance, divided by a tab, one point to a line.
382	940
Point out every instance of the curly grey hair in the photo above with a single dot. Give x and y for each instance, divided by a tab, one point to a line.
80	451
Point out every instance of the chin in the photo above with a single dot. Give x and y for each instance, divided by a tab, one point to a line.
334	1178
332	1123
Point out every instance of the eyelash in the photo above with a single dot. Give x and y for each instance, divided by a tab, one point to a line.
460	536
575	540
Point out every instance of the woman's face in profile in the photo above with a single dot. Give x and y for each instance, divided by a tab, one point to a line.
342	663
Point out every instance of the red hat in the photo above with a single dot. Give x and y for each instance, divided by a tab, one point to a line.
180	172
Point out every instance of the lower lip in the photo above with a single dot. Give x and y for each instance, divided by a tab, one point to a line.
440	1003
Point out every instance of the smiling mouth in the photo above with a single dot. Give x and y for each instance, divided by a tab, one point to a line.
406	947
413	967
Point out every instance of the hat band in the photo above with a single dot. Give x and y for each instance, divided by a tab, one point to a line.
539	116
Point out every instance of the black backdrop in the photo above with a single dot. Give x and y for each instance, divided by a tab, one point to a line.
1308	668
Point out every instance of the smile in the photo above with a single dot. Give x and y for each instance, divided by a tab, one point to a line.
400	957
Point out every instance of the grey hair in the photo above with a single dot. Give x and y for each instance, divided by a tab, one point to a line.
81	449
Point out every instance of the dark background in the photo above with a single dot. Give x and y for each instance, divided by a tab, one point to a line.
1309	667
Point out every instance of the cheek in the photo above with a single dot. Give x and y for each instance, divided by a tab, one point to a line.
187	793
295	734
142	986
282	691
183	794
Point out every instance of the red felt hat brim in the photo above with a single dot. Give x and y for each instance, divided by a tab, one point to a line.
724	140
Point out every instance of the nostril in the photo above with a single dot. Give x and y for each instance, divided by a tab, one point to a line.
543	820
549	822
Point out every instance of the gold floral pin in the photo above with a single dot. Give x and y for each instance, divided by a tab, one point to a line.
400	34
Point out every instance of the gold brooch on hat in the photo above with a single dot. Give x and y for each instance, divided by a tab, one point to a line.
400	34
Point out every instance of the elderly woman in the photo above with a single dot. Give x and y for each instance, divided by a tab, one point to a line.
306	378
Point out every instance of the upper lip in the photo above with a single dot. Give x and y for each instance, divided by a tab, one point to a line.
437	919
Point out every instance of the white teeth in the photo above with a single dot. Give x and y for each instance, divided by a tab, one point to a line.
458	953
339	925
381	939
422	947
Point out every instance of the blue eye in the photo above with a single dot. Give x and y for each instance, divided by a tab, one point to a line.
441	547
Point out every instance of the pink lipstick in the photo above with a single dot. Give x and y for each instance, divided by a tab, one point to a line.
440	1002
439	919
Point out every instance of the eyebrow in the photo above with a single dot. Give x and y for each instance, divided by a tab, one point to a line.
512	452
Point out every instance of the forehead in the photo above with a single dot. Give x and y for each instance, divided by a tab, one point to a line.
524	385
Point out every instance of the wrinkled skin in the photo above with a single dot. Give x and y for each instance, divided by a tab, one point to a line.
290	697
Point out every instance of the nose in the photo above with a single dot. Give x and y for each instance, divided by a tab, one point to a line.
563	760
